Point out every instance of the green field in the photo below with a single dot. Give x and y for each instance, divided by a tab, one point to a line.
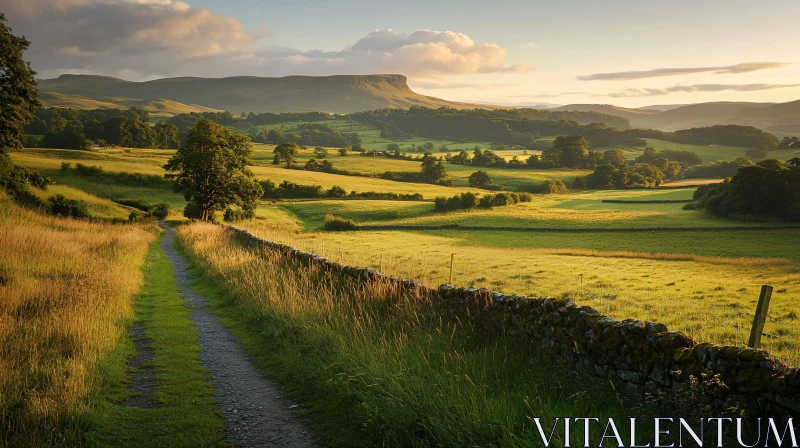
673	277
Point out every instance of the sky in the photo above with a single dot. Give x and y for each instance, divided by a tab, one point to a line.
623	52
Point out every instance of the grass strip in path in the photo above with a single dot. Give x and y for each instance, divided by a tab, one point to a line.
185	414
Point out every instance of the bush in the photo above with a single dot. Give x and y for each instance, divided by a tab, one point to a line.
336	223
137	216
59	205
336	192
238	214
553	187
65	166
161	210
192	211
344	151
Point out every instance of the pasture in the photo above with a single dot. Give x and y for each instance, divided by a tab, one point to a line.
701	282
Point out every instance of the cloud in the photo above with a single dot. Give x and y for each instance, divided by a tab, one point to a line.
532	45
745	67
110	37
171	38
424	52
699	88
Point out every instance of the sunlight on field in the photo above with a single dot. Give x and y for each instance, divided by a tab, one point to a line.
65	285
98	207
709	297
406	368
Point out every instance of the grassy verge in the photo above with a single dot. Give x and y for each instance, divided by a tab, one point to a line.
377	368
186	415
64	287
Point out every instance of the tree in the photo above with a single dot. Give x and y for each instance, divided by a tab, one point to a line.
614	157
756	153
210	168
569	151
285	153
648	155
320	152
167	136
480	179
433	169
18	101
343	151
67	135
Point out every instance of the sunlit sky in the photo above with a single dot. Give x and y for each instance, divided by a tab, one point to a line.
623	52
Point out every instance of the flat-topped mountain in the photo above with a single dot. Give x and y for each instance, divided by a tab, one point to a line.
335	94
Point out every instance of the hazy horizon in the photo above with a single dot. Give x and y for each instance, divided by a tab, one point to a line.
623	53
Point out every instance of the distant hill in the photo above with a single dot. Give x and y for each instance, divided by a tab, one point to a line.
157	107
335	94
782	119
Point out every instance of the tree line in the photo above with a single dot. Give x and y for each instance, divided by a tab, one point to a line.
81	129
767	189
309	134
521	127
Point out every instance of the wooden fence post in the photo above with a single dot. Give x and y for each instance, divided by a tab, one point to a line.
761	316
452	256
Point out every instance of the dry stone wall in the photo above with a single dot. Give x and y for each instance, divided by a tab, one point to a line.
638	357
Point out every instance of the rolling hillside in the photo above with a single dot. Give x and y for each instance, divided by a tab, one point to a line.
781	119
157	107
336	94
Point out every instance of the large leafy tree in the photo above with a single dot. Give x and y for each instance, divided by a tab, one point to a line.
285	153
18	103
210	168
18	100
433	169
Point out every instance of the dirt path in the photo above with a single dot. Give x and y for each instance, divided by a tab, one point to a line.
257	411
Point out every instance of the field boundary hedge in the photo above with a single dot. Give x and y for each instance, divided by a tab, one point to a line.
573	229
638	357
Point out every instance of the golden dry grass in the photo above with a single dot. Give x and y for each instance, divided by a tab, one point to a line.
65	285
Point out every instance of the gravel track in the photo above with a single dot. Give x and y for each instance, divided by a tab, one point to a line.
257	411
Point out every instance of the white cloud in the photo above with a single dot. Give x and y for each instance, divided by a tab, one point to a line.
169	37
633	92
532	45
745	67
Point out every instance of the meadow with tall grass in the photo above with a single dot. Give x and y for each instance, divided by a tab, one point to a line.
380	367
65	287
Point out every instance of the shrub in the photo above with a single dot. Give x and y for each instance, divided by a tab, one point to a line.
336	223
321	152
161	210
59	205
553	187
192	211
336	192
525	197
65	166
344	151
88	170
440	204
137	216
480	179
238	214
